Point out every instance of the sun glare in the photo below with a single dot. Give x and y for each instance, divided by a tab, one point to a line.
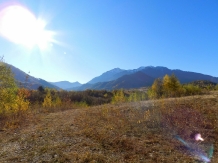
20	26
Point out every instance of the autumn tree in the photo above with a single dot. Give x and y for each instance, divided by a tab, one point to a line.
11	101
157	88
47	100
118	96
171	86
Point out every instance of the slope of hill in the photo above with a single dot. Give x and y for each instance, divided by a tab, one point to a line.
29	81
66	84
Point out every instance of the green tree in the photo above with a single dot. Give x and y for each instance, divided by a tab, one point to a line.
41	89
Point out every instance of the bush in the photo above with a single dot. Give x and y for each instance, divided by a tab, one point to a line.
191	89
137	96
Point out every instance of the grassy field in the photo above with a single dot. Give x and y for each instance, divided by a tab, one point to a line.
124	132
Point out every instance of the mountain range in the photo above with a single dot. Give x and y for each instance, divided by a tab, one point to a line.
114	79
141	77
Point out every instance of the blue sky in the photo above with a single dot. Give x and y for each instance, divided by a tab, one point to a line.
94	36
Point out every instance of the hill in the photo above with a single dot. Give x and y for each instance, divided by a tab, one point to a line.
29	81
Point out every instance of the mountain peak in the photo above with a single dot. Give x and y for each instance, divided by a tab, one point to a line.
115	70
140	68
107	76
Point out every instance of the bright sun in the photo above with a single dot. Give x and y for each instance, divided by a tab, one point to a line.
20	26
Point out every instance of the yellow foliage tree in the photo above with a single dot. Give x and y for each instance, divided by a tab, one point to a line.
171	86
47	100
157	88
166	84
10	99
118	96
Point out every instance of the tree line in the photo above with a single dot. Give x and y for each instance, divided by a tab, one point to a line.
170	86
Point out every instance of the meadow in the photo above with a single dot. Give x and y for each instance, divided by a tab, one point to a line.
142	131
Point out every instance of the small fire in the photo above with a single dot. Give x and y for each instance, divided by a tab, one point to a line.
198	137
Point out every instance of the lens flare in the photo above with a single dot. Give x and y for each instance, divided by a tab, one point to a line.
198	137
197	151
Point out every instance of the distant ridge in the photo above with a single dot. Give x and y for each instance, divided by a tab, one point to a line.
66	84
119	78
29	81
135	80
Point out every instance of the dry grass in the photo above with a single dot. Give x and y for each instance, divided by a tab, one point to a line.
127	132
